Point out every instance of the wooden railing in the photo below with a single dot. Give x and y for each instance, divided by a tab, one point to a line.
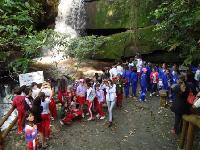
6	131
190	122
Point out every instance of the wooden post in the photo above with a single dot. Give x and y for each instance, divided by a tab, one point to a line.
183	133
163	98
1	141
190	137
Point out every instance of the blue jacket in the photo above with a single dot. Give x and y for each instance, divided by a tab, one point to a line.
143	81
166	79
134	77
127	75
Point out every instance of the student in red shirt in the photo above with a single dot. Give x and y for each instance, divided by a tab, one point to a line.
18	103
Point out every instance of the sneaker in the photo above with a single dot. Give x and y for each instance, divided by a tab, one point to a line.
103	117
83	116
89	119
110	124
61	122
97	116
52	118
150	95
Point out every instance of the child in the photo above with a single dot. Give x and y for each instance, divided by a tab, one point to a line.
28	100
31	133
46	87
119	90
61	90
80	95
154	81
127	76
134	81
18	103
110	99
100	99
143	84
90	98
35	90
71	113
46	114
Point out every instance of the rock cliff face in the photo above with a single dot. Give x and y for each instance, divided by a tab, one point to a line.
130	15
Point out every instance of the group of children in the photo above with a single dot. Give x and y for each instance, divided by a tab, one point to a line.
36	106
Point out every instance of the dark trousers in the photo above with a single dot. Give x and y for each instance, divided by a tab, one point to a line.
154	87
178	123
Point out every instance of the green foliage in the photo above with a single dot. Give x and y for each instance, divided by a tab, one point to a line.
178	22
17	29
87	46
19	65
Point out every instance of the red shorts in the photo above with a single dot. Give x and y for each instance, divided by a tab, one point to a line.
80	100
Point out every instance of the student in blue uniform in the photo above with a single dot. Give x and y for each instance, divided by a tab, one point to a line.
134	81
127	76
143	84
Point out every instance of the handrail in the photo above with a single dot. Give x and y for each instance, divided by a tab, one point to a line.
5	133
6	116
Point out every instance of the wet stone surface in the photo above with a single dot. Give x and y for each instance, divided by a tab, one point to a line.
137	126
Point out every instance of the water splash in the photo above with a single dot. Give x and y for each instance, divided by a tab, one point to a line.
68	25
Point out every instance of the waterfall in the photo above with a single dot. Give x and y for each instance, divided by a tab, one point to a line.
69	23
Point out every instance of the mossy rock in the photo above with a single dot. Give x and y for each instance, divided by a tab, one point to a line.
128	44
112	14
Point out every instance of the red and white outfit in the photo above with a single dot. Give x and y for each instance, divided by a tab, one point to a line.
71	114
90	98
100	99
31	137
45	124
52	104
18	103
80	93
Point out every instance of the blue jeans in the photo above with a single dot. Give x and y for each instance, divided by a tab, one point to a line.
110	105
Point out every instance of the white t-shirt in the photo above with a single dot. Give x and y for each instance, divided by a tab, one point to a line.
139	65
45	106
91	94
113	72
120	70
111	93
35	92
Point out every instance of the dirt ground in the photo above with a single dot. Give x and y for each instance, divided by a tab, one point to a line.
137	126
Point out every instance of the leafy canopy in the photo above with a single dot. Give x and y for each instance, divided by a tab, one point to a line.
177	24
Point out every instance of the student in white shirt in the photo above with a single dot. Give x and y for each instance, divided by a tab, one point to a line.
119	69
90	98
113	72
110	99
35	90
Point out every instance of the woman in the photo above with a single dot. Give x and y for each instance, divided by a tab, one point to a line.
180	105
110	99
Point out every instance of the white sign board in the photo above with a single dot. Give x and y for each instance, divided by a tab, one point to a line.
29	78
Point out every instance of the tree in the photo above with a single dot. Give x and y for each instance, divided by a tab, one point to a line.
19	37
177	24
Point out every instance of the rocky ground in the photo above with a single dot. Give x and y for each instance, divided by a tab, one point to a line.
137	126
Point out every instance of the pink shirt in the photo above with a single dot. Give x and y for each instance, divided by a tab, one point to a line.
81	90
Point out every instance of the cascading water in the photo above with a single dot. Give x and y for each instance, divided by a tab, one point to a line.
69	23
